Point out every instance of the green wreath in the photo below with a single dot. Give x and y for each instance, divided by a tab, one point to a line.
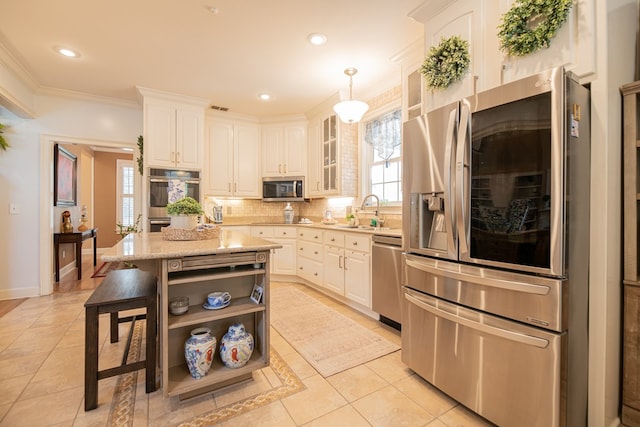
446	63
519	32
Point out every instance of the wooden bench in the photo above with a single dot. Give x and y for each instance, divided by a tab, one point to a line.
120	290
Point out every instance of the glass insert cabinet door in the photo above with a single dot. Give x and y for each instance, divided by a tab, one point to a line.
329	154
511	181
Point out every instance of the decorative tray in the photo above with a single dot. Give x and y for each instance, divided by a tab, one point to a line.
198	233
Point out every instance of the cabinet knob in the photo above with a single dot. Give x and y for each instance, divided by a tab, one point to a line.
302	249
316	252
355	243
315	274
333	239
315	237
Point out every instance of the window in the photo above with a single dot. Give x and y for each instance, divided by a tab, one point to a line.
124	193
383	157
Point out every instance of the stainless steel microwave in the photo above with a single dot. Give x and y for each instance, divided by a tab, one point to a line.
289	189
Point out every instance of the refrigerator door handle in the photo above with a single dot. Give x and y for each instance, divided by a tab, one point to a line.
450	219
481	327
464	135
486	281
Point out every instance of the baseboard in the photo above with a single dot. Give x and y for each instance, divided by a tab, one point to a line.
15	293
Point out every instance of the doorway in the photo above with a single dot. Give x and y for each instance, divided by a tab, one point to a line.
48	215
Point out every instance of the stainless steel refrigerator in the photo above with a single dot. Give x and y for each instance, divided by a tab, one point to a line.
496	221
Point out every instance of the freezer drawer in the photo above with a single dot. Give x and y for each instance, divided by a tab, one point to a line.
538	301
505	371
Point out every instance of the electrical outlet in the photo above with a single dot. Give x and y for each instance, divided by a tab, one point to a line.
64	254
14	209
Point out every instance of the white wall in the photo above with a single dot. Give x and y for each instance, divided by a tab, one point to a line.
28	163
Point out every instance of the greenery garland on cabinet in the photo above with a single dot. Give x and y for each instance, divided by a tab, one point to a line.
446	62
531	24
3	142
139	159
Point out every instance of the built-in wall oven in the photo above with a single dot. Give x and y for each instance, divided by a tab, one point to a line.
165	184
495	295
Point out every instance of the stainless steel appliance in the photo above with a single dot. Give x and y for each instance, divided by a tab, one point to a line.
160	182
290	189
496	193
386	263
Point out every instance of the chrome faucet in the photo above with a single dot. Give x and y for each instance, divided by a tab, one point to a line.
364	201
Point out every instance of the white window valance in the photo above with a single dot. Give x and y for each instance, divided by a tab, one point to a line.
384	133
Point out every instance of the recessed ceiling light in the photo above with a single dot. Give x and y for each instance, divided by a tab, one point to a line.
317	39
264	96
213	10
67	52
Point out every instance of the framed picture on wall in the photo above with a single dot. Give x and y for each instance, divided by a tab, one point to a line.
64	177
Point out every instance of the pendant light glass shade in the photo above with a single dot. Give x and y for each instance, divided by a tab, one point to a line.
350	111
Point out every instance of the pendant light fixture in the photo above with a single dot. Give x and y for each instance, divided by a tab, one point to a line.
350	111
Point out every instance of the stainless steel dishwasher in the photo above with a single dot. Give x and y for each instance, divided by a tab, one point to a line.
387	278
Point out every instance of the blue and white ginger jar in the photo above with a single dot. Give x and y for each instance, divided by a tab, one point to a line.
236	346
198	351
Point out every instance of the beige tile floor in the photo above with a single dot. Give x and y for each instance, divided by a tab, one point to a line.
42	362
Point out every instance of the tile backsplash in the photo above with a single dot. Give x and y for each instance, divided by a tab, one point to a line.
248	211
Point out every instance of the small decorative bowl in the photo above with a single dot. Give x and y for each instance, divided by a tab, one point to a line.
178	305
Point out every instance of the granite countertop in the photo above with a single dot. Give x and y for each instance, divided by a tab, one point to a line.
147	246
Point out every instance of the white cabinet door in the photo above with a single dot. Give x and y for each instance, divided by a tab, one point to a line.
573	46
314	164
218	170
334	269
461	18
247	161
357	279
159	134
174	136
284	150
272	157
295	150
232	159
284	259
189	138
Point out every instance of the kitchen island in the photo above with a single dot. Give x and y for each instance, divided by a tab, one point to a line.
236	263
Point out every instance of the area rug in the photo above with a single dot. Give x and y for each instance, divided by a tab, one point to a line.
121	413
328	340
124	397
107	267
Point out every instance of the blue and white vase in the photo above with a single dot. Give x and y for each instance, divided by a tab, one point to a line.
198	351
236	346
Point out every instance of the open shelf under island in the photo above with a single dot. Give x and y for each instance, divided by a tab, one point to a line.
235	262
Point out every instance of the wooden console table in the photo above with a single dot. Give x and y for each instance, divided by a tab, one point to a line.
77	237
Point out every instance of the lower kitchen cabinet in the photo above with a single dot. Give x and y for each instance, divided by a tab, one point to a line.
283	260
195	277
309	255
347	265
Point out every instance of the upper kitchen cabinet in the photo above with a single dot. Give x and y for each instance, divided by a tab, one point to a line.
572	47
313	187
473	21
477	22
173	130
232	166
410	61
329	153
284	148
333	154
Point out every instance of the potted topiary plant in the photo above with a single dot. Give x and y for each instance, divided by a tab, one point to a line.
184	213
